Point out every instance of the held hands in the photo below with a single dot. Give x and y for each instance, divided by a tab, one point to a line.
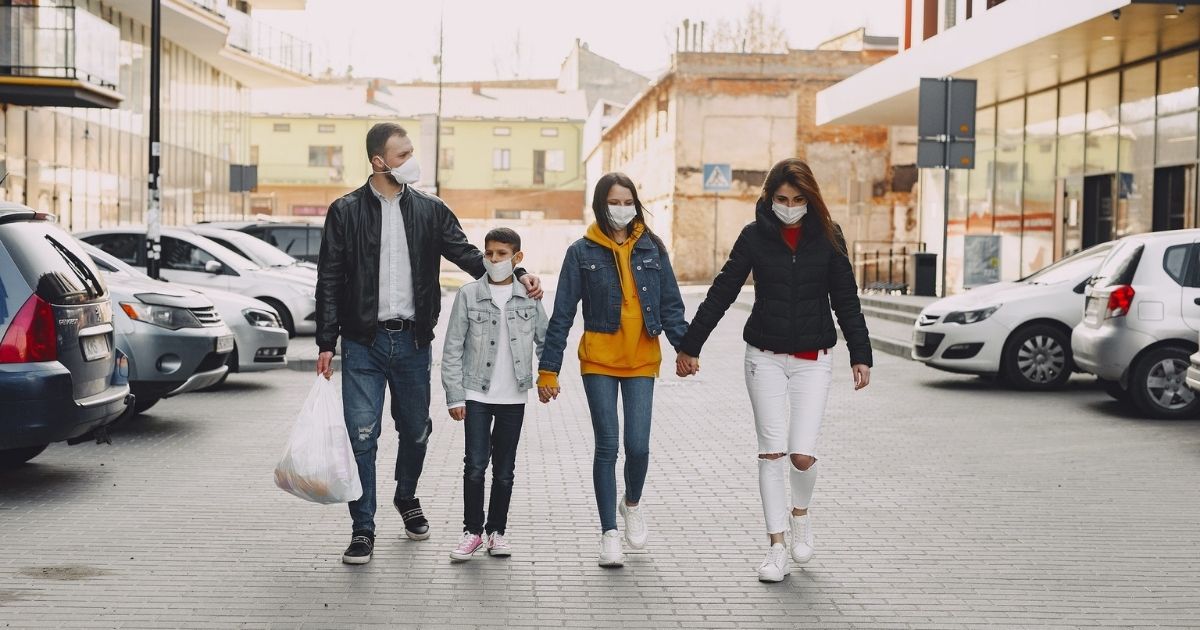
862	376
546	394
533	285
458	413
325	365
686	365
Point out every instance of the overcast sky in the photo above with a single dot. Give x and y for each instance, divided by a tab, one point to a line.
488	39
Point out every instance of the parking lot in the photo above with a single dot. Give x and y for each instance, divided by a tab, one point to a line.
944	501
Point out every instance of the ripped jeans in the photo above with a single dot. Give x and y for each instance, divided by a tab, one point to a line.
393	362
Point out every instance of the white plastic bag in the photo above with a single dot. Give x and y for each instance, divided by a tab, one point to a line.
318	464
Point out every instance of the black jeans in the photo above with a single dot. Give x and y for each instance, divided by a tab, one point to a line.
499	443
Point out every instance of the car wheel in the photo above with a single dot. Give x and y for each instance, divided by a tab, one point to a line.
1038	357
142	404
14	457
284	315
1158	385
1114	389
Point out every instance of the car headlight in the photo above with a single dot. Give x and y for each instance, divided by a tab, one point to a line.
970	317
169	317
261	318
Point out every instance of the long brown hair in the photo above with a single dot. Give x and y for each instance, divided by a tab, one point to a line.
796	172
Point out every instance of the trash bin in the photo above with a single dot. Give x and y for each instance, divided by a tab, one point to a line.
925	267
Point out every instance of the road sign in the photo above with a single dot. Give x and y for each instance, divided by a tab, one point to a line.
946	124
717	177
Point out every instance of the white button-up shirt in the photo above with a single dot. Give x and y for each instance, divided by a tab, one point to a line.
396	300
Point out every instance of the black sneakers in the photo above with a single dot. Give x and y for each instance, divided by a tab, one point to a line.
415	523
361	546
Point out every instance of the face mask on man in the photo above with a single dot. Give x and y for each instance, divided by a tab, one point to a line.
500	271
789	214
407	173
620	216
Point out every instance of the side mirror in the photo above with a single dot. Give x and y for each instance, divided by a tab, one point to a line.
214	267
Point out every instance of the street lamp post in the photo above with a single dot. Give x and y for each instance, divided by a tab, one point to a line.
154	212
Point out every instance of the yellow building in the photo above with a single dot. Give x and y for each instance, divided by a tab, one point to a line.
506	152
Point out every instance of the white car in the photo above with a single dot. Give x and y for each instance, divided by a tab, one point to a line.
260	341
1018	330
257	251
196	261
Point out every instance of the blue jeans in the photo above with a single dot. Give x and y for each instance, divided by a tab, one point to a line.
497	442
637	396
394	361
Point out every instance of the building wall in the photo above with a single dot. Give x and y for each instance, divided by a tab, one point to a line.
89	166
750	111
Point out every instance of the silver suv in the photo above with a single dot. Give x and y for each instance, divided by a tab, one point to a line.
1140	322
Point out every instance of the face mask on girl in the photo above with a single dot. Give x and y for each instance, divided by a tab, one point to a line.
789	215
620	216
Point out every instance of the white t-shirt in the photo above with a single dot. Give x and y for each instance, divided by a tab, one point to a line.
503	388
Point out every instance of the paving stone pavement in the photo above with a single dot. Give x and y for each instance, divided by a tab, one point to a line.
944	502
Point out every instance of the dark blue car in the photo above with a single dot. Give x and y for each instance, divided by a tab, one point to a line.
61	376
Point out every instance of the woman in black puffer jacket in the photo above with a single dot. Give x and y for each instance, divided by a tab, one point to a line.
801	273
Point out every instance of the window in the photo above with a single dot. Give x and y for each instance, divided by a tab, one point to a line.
549	132
501	159
325	156
446	158
501	131
180	255
447	131
282	127
326	128
1175	261
556	161
294	241
124	247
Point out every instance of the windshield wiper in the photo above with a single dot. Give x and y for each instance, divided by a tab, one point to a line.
78	266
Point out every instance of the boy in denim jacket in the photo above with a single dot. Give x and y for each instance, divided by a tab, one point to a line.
487	372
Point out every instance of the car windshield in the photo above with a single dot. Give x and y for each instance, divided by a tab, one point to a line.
219	251
252	248
1072	268
109	263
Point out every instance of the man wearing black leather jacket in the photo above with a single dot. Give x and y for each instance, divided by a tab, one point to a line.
378	289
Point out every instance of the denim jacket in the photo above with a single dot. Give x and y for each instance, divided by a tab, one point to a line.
589	273
471	337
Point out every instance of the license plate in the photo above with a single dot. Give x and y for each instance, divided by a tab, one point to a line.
224	344
94	347
918	337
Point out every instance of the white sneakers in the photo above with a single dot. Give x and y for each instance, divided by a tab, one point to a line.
802	539
775	567
610	549
635	525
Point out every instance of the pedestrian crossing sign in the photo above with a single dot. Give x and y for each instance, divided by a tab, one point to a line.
717	177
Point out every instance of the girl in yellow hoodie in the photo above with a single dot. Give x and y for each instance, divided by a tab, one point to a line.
622	274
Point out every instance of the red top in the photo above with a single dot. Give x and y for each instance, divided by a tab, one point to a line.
791	234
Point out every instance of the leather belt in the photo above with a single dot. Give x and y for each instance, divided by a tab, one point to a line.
396	324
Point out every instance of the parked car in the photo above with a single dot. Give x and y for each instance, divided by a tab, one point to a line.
1019	330
61	374
298	239
175	339
260	340
196	261
257	251
1141	319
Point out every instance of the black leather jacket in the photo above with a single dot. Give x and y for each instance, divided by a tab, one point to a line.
793	292
348	268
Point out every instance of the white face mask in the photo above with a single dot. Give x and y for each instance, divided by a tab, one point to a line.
407	173
620	216
789	215
498	272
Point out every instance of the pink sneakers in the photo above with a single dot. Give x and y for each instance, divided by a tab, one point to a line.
467	547
497	546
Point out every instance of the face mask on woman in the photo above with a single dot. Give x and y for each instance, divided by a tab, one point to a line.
620	216
789	214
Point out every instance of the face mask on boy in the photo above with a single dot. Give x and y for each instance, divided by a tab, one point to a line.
498	272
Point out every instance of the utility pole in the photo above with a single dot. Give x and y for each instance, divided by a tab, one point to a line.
154	213
437	135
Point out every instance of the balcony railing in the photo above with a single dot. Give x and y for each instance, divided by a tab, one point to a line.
59	43
269	44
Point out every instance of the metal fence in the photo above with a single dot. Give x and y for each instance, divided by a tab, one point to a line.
884	266
58	42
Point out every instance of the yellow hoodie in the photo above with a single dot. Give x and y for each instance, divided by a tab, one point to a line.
630	351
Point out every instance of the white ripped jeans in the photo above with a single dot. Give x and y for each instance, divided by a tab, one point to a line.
788	395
